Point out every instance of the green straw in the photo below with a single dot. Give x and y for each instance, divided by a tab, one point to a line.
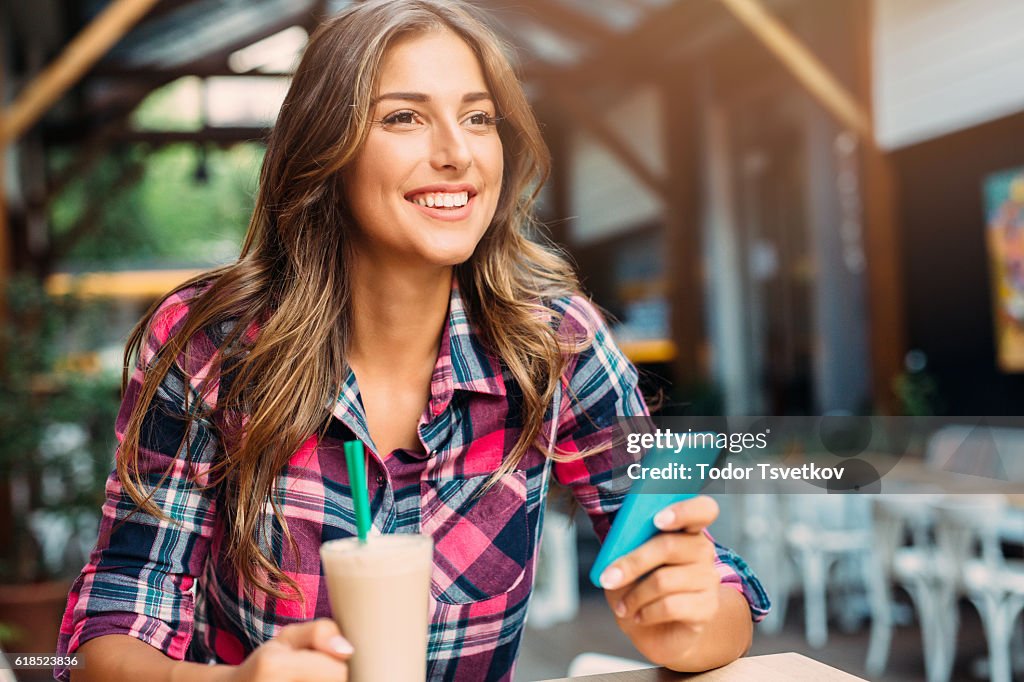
357	482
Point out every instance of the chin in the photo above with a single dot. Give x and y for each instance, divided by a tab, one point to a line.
451	254
452	259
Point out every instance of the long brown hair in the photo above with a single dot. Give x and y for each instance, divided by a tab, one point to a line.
291	279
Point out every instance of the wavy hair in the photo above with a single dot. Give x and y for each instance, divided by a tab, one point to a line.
291	279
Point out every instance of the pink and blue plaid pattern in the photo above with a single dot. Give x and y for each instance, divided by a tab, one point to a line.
170	586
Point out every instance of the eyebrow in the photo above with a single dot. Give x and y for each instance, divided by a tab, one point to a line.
422	97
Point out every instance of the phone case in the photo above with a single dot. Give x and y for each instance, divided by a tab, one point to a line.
634	522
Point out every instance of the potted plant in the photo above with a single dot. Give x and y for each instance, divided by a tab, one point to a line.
56	449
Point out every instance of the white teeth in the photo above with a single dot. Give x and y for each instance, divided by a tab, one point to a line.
442	199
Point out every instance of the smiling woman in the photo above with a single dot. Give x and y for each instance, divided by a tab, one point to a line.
387	293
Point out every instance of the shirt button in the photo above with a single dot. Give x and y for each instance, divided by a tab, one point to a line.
380	479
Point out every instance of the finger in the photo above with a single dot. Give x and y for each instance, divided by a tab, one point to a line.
314	666
695	609
667	580
321	634
666	548
692	516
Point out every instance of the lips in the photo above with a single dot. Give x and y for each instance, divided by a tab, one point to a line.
440	192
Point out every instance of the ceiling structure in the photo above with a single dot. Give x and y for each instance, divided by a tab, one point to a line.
592	44
573	56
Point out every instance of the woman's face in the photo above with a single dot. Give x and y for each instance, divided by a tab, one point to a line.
424	187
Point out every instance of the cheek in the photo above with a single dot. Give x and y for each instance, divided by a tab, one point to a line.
495	168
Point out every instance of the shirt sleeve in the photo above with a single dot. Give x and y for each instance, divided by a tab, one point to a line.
140	575
602	395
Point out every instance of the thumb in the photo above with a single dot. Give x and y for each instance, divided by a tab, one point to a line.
321	635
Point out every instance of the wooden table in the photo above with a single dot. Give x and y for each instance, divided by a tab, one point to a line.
771	668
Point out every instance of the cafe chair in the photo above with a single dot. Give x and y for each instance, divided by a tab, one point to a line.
904	554
967	533
765	547
6	675
556	593
591	663
822	530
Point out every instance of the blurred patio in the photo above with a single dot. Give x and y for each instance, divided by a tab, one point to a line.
790	207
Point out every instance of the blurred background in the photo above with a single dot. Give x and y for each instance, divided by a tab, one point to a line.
790	207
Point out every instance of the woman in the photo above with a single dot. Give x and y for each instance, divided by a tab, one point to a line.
388	248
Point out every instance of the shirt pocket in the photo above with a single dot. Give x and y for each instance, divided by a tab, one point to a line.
481	537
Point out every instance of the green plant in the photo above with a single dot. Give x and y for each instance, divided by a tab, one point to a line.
56	433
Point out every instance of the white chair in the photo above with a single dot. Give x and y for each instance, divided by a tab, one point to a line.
821	530
764	547
6	674
967	532
591	663
556	593
913	566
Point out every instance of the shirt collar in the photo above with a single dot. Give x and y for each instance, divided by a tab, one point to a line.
463	363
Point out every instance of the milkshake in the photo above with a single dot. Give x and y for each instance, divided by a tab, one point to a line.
380	598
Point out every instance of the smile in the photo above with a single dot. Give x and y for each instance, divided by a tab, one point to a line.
441	199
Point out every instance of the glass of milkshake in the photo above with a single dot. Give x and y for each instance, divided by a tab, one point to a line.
380	597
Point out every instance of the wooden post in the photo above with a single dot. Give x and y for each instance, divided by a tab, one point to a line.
77	58
5	229
684	264
886	306
882	235
6	501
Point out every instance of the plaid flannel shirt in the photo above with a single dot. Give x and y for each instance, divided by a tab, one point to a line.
170	586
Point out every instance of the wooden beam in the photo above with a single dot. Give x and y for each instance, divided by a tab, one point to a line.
125	285
610	139
223	136
634	54
803	64
77	58
148	76
563	19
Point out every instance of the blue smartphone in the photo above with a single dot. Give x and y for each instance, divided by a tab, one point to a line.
634	522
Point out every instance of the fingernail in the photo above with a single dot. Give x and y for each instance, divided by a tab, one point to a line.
340	645
611	578
620	609
664	518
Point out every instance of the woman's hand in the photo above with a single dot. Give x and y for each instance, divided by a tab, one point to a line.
313	651
667	594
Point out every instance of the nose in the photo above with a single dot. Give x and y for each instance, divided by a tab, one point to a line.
450	148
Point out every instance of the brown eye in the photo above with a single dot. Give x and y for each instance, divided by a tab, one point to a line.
400	118
480	119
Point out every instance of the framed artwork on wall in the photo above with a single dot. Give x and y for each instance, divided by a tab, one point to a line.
1004	234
